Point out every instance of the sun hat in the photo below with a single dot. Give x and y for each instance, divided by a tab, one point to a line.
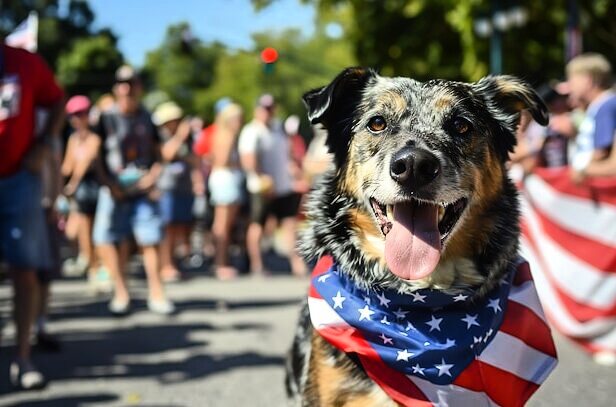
166	112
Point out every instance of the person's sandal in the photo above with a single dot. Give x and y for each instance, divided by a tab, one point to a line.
25	376
225	273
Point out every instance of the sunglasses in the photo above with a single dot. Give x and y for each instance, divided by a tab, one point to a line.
82	113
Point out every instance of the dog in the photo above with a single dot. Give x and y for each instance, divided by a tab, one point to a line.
418	204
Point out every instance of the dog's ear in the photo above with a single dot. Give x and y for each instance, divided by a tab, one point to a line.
334	106
339	98
505	97
512	95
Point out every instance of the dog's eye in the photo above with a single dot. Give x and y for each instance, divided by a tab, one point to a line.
461	125
377	124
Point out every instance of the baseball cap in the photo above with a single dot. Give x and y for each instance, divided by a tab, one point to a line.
77	103
221	104
126	73
266	101
166	112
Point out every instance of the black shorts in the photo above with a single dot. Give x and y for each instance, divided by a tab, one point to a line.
281	207
86	197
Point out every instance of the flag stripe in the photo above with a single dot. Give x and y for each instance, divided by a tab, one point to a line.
453	395
579	280
530	365
554	308
597	254
579	310
526	294
593	190
534	331
568	210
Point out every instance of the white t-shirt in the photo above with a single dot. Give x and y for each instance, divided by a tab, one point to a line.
271	146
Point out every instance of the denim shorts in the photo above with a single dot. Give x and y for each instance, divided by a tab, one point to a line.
24	241
176	207
117	221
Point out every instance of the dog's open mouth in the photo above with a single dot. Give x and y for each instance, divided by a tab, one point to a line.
414	233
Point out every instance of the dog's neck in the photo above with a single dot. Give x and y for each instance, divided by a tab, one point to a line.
332	230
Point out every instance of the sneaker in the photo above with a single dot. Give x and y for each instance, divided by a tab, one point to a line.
605	358
25	376
119	308
163	307
99	281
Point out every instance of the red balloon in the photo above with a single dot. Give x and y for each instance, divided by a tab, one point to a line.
269	55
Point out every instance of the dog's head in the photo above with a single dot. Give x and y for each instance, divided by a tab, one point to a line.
423	163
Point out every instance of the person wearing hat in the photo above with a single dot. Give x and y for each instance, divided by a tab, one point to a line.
82	186
179	182
129	167
265	157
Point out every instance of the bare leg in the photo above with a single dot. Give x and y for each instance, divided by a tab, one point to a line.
84	238
224	216
167	268
151	264
25	303
253	245
289	229
114	261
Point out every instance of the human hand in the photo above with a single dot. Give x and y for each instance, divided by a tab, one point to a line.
183	130
577	176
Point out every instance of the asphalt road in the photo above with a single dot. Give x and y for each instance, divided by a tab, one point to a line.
225	347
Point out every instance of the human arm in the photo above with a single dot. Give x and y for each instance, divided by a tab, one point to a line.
171	147
84	163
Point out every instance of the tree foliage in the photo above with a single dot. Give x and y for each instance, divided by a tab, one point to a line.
436	38
182	66
196	74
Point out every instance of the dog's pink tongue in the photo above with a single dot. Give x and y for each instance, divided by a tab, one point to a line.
413	245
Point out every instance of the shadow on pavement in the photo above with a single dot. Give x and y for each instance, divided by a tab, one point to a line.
65	401
168	353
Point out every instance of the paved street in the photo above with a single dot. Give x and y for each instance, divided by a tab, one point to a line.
225	347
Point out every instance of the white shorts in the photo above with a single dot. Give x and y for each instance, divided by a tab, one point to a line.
226	186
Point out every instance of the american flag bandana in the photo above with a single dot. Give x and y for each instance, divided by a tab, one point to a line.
435	348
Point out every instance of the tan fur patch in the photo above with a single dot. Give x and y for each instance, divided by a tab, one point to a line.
330	383
392	101
368	233
444	102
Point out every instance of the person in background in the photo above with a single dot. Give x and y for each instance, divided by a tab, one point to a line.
589	79
539	146
265	157
82	187
129	165
26	83
179	182
297	147
225	185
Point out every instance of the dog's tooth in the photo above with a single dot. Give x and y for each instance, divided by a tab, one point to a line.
390	212
441	213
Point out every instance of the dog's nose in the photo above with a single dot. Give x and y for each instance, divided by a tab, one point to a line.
414	167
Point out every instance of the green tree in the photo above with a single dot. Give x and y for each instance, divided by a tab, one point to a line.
182	66
89	66
436	38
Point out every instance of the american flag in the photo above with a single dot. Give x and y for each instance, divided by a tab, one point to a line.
569	238
25	35
429	348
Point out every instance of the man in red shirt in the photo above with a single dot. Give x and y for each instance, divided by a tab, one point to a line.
25	84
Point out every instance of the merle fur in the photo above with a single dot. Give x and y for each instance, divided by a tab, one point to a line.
342	108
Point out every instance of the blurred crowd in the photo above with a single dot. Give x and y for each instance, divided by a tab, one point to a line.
582	123
116	181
